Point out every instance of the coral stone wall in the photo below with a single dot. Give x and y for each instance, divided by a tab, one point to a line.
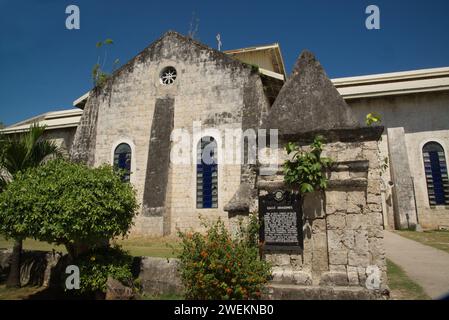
211	88
343	232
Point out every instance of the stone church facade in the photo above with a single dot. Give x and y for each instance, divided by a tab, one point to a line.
176	82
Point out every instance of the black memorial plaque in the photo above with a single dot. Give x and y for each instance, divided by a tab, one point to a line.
281	221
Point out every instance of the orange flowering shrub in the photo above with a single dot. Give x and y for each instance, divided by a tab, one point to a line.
218	266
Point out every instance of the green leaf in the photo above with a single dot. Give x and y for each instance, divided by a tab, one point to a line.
306	169
305	188
372	118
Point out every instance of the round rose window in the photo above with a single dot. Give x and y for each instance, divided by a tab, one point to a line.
168	76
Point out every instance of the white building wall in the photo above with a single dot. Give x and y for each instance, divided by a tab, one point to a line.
425	117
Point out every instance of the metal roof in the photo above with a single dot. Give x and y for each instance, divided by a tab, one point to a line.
52	120
394	83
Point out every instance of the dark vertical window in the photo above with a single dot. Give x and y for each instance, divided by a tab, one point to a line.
436	174
122	159
207	174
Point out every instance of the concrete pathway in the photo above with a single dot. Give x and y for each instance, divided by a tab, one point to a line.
427	266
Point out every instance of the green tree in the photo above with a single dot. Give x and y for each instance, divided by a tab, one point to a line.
1	125
18	153
67	203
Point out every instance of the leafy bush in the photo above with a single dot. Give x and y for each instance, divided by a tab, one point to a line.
66	203
216	265
96	265
307	169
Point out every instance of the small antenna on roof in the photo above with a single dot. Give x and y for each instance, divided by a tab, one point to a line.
219	42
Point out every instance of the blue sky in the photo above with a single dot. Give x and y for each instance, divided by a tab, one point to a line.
44	66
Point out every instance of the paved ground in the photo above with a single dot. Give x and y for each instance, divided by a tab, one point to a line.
427	266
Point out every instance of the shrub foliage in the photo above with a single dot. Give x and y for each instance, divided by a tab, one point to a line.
96	265
216	265
66	203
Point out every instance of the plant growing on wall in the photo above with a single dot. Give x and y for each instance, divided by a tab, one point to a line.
99	75
307	169
371	119
193	27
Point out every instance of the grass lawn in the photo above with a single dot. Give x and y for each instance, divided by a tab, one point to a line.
137	246
17	293
436	239
401	286
31	244
150	247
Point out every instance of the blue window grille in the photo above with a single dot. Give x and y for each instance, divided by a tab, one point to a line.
122	160
207	174
436	174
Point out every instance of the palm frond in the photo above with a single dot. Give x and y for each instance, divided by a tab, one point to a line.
20	152
42	150
14	157
31	138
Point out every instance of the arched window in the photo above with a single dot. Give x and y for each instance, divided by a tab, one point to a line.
122	159
207	174
436	174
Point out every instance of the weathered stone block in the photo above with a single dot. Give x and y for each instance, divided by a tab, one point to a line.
334	279
334	238
338	256
373	198
115	290
337	268
356	221
302	278
279	259
353	276
361	241
357	198
377	251
375	207
336	221
320	261
362	275
313	206
335	198
160	276
358	259
289	276
318	226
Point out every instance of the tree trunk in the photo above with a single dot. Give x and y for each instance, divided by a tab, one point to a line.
76	249
13	280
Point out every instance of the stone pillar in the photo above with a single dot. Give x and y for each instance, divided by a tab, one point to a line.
158	165
403	196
